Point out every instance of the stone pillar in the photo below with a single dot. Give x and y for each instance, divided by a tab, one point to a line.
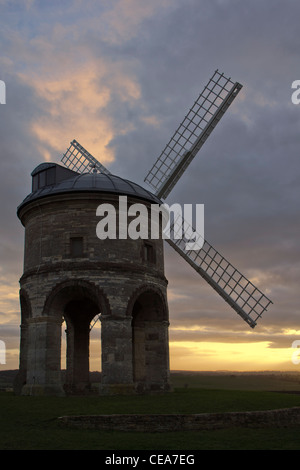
20	379
151	356
81	357
43	359
161	363
116	339
77	371
139	353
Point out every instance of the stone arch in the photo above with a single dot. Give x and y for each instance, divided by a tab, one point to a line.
150	342
150	289
77	289
77	302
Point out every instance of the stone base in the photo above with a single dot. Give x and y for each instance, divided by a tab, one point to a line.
43	390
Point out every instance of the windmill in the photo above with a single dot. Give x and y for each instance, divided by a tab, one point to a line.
238	291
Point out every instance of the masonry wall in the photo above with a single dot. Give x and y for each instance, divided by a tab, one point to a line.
110	274
285	417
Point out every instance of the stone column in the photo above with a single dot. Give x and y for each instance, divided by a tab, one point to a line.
139	353
43	359
81	356
20	379
116	340
77	371
164	359
151	356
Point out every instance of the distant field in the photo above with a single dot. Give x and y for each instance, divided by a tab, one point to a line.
273	381
238	381
30	423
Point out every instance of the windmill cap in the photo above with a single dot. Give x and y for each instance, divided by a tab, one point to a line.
52	179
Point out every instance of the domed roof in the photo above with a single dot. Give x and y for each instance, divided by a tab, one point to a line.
86	182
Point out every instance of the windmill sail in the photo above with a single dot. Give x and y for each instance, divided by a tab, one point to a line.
240	293
77	158
202	118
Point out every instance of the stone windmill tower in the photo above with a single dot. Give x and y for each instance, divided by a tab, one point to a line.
70	274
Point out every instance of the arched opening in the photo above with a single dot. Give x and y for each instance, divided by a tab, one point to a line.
78	315
63	348
78	305
150	348
95	351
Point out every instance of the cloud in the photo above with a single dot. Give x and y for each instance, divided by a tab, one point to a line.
77	90
125	19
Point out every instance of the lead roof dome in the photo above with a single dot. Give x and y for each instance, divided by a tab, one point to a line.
51	179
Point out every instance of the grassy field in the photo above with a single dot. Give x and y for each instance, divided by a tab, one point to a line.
30	423
238	381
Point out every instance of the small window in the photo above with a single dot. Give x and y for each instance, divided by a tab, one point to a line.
35	182
76	247
42	179
50	176
148	253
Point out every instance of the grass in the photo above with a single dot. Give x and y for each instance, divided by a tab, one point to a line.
30	423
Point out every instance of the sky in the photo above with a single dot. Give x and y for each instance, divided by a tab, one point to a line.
119	76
